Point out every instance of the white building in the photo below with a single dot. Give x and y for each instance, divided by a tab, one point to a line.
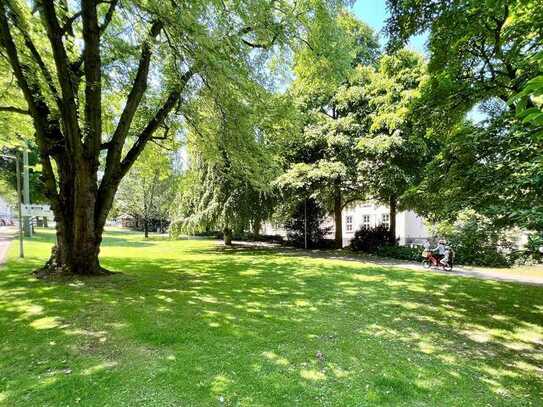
5	211
410	227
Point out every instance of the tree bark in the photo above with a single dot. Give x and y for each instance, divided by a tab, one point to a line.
146	228
257	225
393	209
338	218
78	235
227	236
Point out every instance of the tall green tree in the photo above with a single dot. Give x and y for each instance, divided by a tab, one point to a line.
102	79
392	152
147	193
321	160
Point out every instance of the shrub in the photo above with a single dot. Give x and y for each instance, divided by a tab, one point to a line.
265	238
477	241
400	252
371	239
531	253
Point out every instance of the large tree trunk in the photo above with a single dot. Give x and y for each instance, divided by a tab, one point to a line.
393	209
338	219
79	234
227	236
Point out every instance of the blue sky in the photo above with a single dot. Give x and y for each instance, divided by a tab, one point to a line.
374	13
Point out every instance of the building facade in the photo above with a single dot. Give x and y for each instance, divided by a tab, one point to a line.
410	228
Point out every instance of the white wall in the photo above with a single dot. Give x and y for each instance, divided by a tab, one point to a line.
5	209
409	226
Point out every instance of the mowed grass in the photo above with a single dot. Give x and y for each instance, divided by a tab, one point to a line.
186	323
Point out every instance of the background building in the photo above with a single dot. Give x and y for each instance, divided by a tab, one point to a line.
6	213
410	227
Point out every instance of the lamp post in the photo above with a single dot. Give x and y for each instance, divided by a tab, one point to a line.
18	172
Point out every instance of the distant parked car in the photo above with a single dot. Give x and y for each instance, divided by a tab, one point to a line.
5	221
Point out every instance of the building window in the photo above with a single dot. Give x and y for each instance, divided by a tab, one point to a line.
349	223
385	220
366	221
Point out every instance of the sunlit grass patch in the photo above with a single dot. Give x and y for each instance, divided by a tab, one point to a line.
188	323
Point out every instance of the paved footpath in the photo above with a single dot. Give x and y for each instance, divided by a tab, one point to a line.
6	235
463	271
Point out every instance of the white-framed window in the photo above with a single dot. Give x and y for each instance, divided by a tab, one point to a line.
385	220
349	223
366	221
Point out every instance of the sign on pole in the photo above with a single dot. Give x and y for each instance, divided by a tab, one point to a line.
42	211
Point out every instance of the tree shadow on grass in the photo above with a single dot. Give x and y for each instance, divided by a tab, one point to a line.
256	328
115	238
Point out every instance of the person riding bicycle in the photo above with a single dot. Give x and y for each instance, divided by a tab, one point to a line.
447	256
439	250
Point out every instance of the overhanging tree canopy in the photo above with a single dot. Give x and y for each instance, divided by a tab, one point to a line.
101	79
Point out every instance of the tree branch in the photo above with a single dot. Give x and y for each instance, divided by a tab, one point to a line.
154	124
109	16
93	83
138	88
148	132
68	28
256	45
13	109
47	132
69	107
41	64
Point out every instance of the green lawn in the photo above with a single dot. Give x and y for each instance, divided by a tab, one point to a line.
185	323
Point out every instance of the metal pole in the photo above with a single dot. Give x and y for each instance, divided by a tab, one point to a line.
18	170
305	223
26	192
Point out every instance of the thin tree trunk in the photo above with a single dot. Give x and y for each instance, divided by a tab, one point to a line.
257	225
338	219
393	209
146	228
227	236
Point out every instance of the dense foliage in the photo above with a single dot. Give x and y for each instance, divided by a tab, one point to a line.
306	222
369	240
320	159
482	55
147	193
477	240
